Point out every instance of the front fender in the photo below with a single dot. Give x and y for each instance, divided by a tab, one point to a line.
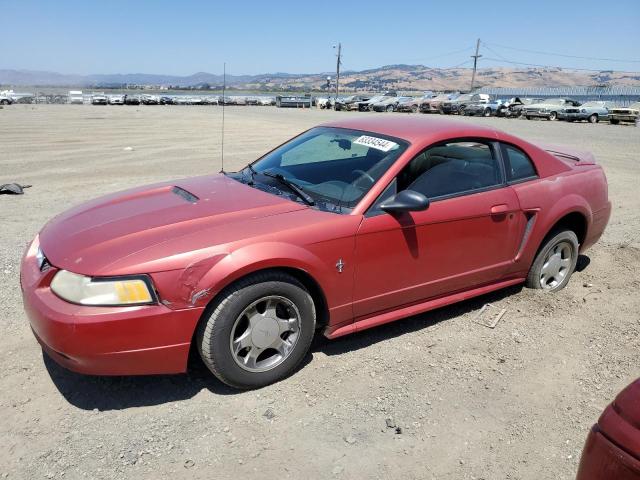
196	285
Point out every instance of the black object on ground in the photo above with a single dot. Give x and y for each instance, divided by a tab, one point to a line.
12	189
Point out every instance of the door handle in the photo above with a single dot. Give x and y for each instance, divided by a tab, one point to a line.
499	209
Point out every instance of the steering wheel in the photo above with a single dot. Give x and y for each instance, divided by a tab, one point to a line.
364	174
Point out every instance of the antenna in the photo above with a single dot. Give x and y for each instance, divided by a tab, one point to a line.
224	100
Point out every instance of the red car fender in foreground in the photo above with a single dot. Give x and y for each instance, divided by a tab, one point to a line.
612	450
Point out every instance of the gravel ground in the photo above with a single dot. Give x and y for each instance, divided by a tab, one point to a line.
435	396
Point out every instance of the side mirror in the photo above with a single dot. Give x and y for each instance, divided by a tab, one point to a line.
405	201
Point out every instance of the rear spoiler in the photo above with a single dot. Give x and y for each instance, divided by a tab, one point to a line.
564	155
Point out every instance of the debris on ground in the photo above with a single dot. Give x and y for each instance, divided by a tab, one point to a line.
13	189
488	317
269	414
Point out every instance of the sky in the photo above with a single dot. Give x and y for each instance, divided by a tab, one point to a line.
184	37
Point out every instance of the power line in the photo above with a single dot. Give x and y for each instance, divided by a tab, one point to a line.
503	60
562	54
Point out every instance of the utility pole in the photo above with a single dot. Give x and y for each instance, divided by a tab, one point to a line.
475	65
339	61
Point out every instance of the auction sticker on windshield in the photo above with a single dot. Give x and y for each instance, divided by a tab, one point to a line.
375	142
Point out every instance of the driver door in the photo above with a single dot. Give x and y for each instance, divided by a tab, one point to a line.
467	237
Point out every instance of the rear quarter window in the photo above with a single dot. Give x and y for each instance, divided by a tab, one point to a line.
518	165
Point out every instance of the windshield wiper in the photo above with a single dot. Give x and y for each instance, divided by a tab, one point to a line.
291	185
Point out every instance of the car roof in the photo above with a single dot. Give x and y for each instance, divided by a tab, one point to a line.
416	130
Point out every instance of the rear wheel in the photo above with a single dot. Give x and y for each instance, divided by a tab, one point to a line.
593	118
4	102
553	116
389	108
614	122
414	108
487	112
258	331
555	262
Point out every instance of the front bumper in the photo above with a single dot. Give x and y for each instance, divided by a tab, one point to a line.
623	118
137	340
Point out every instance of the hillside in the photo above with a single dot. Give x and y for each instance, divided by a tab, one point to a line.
399	77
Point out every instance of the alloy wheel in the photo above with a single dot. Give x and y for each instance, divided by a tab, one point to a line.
556	265
265	333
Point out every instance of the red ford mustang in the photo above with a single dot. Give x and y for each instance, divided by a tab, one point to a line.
347	226
612	450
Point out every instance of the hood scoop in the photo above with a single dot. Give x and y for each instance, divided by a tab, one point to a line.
181	192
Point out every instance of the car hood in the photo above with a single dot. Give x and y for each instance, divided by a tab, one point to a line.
106	236
545	105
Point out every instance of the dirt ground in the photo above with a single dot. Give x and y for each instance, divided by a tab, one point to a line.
515	402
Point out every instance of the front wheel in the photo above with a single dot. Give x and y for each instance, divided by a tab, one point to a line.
553	116
555	262
593	118
487	112
389	108
258	331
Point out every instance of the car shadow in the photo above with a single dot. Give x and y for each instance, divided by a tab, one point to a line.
582	263
370	337
89	392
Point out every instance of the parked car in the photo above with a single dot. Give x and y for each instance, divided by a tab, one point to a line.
484	109
387	104
592	112
131	100
434	105
266	101
409	104
116	99
150	99
514	107
98	99
366	105
612	449
343	228
164	100
351	102
548	108
624	114
460	103
5	100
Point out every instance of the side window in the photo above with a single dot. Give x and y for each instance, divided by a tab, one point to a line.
452	168
517	164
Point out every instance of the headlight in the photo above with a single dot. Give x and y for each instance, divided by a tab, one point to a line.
105	291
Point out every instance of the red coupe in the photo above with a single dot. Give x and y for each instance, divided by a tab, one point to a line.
347	226
612	450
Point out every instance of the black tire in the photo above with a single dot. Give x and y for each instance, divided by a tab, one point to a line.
487	112
553	116
216	326
528	117
593	118
414	108
4	102
553	240
614	122
389	108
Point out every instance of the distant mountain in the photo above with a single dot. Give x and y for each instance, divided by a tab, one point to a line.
399	77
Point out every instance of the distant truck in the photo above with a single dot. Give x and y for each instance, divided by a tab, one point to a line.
76	97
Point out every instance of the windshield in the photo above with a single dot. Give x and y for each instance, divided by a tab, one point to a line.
336	167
